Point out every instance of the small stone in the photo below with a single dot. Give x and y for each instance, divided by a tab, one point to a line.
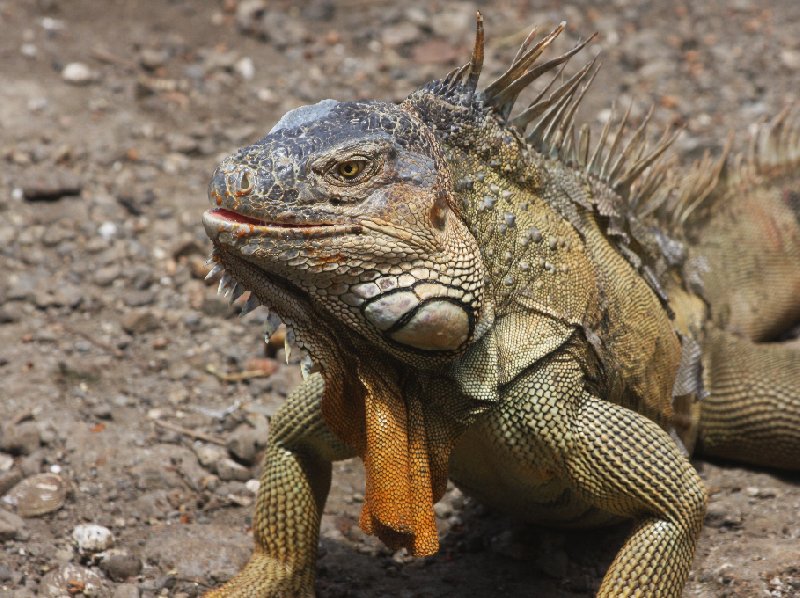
242	444
6	462
78	73
71	579
20	439
228	469
139	322
106	275
126	590
92	538
119	564
209	454
151	58
38	495
9	479
50	185
442	510
10	525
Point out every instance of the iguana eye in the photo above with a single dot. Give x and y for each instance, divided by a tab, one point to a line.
350	169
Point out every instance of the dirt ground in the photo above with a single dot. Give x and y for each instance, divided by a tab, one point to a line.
114	407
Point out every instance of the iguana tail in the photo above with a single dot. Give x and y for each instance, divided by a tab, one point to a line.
744	232
752	411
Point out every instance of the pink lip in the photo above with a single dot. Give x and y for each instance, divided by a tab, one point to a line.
221	220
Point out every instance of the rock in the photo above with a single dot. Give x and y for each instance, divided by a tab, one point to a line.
243	444
209	455
139	322
92	538
50	185
106	275
72	579
10	525
126	590
78	73
6	574
20	439
187	550
400	34
38	495
9	479
139	298
6	463
228	469
151	58
119	564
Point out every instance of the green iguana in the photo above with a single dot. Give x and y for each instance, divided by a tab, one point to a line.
553	323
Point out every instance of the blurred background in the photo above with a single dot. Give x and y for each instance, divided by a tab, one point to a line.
134	400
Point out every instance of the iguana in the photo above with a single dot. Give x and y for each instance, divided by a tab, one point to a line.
553	323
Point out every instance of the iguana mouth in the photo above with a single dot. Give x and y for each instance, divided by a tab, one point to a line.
221	220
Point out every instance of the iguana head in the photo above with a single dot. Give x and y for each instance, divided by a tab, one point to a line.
351	206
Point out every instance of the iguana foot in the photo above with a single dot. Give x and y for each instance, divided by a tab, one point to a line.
267	577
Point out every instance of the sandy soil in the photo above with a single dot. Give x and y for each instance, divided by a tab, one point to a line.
112	117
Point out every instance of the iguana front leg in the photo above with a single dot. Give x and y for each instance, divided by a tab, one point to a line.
613	459
294	487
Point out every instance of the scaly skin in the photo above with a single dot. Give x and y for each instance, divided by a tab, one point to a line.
496	308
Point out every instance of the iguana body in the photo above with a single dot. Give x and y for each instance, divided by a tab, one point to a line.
538	317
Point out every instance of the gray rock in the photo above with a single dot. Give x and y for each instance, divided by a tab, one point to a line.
139	322
209	455
126	590
139	298
186	549
243	444
10	525
9	479
20	439
228	469
119	564
106	275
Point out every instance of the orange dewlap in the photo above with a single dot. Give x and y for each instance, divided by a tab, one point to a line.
392	441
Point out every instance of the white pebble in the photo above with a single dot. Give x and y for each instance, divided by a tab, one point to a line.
92	538
77	73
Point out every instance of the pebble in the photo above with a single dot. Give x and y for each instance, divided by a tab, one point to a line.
119	564
10	525
126	590
8	479
6	462
72	579
139	322
20	439
38	495
243	444
186	550
78	73
92	538
228	469
209	454
50	185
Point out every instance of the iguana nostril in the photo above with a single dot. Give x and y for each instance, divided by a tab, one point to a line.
245	185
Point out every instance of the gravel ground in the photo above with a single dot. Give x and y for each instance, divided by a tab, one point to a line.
129	445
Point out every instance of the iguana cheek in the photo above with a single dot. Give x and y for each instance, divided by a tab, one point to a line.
439	325
416	319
